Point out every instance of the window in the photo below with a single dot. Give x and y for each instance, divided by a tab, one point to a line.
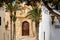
57	26
0	20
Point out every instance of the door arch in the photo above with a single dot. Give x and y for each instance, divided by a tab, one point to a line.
25	28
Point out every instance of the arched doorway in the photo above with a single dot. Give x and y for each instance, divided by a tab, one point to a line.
25	28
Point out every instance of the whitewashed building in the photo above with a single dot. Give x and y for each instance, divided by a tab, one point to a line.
47	30
2	23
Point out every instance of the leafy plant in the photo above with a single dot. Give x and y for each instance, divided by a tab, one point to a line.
34	14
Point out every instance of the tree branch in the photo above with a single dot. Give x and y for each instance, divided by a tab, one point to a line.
51	10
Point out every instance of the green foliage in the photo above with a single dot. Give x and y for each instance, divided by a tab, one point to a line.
16	7
34	14
9	7
13	7
1	3
8	1
54	1
14	18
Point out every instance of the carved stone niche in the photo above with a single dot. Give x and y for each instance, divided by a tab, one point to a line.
52	17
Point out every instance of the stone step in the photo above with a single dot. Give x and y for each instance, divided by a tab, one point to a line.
26	38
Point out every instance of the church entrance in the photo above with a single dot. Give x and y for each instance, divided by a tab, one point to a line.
25	28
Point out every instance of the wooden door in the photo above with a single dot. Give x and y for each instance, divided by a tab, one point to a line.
25	28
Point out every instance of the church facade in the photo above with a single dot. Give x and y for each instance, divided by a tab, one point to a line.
25	27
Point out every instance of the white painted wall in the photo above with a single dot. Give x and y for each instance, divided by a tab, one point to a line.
2	26
45	25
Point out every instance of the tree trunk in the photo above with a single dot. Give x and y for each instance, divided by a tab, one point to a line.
10	22
14	31
11	26
37	29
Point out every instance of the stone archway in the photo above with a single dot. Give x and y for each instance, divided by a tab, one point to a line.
25	28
